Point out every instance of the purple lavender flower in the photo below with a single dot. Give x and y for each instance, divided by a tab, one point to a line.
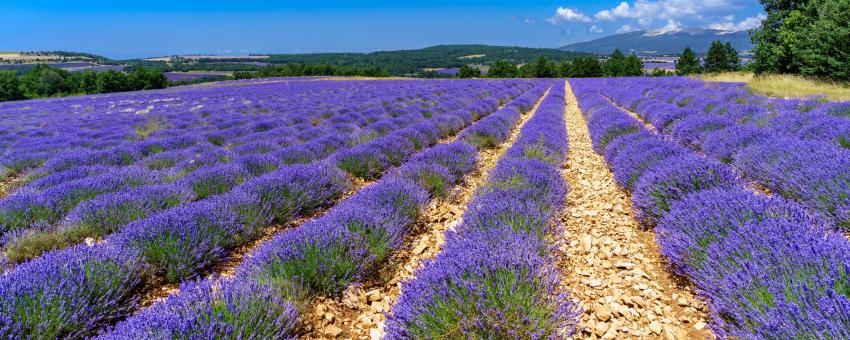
662	186
293	190
213	180
69	293
211	308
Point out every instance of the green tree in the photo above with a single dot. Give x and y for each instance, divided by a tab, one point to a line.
564	69
468	72
615	66
525	71
9	86
818	36
733	62
542	68
633	66
112	81
772	51
141	78
503	69
87	82
585	67
688	63
721	57
46	81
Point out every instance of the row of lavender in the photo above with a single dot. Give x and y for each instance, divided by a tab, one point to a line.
40	129
322	257
121	130
90	193
796	148
768	268
495	276
173	245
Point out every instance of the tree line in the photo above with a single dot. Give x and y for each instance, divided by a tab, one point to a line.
44	81
719	58
616	65
307	70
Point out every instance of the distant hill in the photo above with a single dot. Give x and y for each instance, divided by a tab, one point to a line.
402	62
660	42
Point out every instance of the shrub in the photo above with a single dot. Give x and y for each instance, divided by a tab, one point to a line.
225	309
69	293
664	185
214	180
488	284
434	178
293	190
180	242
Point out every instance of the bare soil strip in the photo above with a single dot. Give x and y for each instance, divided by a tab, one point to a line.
359	312
612	266
9	185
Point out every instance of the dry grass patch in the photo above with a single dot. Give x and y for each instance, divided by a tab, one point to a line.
784	85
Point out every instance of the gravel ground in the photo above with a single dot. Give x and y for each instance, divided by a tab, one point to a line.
612	266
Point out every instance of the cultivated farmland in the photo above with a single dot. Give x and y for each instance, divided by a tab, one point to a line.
426	209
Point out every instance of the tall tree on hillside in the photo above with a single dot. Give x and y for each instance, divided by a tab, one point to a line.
503	69
721	57
468	72
688	63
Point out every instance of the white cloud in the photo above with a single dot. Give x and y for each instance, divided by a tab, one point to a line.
604	15
626	29
622	10
672	26
645	12
743	25
594	29
566	14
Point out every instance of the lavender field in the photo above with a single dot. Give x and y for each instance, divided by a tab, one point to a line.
426	209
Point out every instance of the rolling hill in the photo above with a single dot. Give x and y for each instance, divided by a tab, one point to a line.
401	62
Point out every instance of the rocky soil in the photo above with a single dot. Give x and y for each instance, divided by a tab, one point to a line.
612	266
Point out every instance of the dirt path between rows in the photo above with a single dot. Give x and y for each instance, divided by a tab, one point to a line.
359	313
613	268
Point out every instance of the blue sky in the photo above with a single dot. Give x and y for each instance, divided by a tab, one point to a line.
122	29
